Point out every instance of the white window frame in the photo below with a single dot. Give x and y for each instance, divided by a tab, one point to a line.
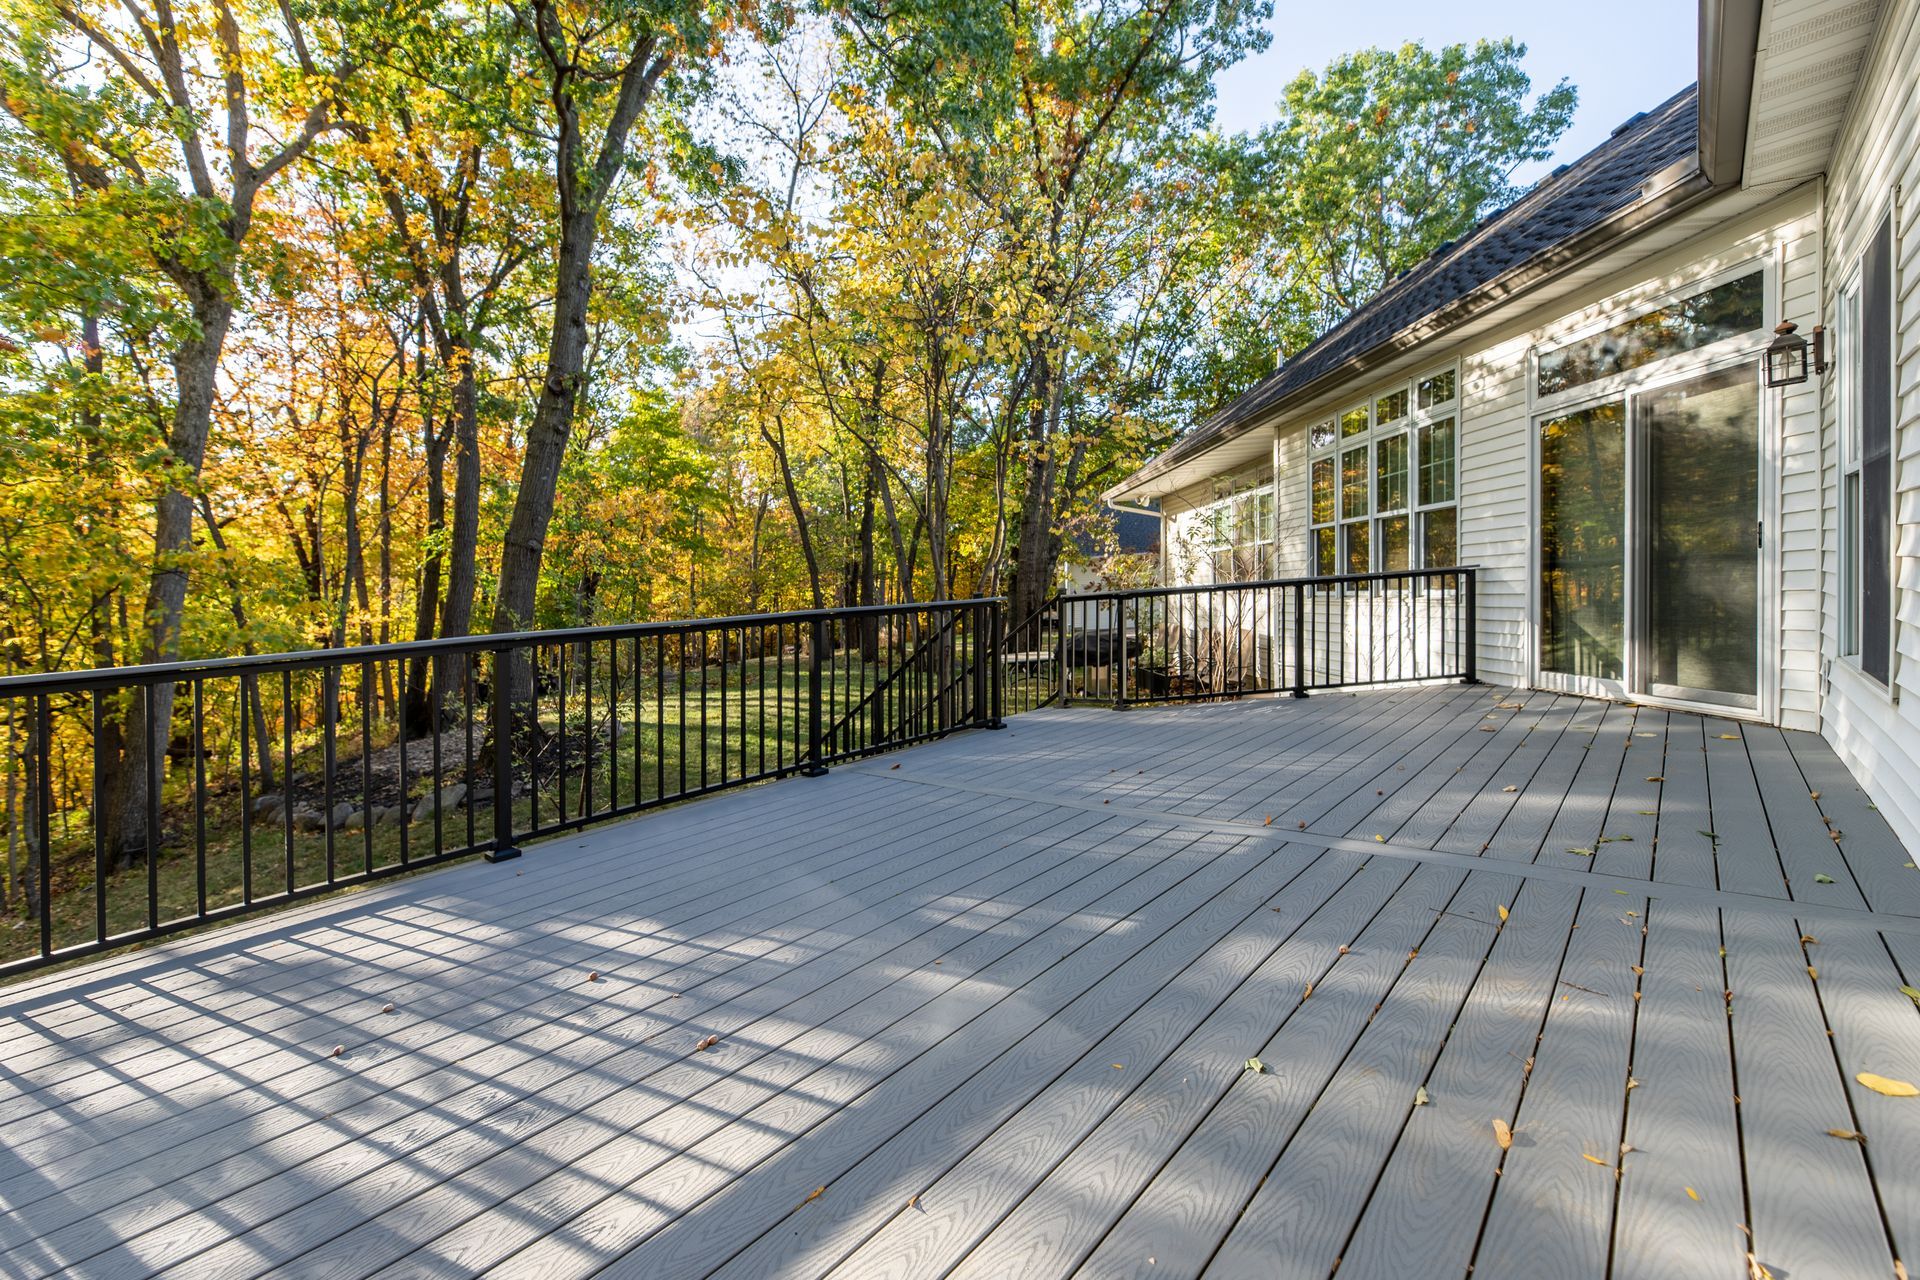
1726	353
1407	426
1246	496
1848	326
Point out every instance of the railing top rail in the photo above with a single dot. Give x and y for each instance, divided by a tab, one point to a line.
301	659
1391	575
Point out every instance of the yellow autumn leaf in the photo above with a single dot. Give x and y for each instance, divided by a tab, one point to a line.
1503	1134
1692	1194
1595	1160
1503	913
1892	1088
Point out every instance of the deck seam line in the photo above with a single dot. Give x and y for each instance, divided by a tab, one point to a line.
1720	898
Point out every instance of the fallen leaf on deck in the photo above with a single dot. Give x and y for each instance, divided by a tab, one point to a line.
1632	1084
1730	737
1848	1135
1756	1270
1119	1066
1503	913
1595	1160
1420	1098
1623	893
1268	822
1256	1066
1892	1088
1381	839
1344	949
1808	940
1692	1194
707	1043
893	766
1627	1147
1823	878
1503	1134
1911	993
1711	835
1813	795
1308	992
1581	853
913	1201
1509	788
386	1008
1638	970
1656	778
337	1051
817	1193
1813	973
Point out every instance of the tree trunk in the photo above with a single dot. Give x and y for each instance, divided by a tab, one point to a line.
195	364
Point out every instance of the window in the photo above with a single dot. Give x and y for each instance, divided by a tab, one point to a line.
1382	480
1865	346
1726	310
1238	528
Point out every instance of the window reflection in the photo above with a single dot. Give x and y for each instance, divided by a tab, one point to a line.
1583	542
1720	312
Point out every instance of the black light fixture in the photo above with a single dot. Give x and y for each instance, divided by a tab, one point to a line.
1787	354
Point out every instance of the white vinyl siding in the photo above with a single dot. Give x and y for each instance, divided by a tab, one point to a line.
1875	170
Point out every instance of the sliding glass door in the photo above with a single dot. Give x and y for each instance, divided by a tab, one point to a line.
1649	552
1702	616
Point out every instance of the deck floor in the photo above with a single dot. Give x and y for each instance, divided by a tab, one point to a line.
986	1008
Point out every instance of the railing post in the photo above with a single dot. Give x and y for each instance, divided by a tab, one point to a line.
502	713
1299	640
1060	645
1117	655
813	767
1470	642
997	657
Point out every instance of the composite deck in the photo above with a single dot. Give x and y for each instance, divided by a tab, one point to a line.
985	1008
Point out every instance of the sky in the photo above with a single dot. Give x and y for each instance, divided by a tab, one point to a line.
1635	57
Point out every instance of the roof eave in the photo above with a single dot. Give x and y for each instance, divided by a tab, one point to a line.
1668	197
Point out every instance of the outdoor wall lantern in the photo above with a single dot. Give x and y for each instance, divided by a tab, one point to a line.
1787	355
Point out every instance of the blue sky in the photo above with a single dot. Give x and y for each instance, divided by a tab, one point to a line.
1625	56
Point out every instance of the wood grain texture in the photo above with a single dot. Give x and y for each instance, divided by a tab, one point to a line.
1681	1119
921	992
1424	1215
1571	1108
1814	1216
1179	1220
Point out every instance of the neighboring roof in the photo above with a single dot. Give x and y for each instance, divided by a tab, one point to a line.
1628	172
1135	532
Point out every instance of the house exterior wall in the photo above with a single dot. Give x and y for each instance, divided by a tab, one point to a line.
1497	464
1809	238
1875	167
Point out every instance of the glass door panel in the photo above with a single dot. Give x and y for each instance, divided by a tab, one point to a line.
1702	575
1583	542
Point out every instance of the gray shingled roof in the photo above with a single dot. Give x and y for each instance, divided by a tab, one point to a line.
1574	199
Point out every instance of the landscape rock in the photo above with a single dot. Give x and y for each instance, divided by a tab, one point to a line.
266	808
308	819
341	812
355	819
448	797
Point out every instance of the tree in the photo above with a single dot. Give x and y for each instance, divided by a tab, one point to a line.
599	65
1387	155
179	119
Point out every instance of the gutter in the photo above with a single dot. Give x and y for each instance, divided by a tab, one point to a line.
1668	193
1729	46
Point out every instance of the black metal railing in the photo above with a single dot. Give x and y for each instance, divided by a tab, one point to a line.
272	779
1288	635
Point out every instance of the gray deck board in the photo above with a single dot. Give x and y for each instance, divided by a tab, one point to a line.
986	1014
1682	1182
